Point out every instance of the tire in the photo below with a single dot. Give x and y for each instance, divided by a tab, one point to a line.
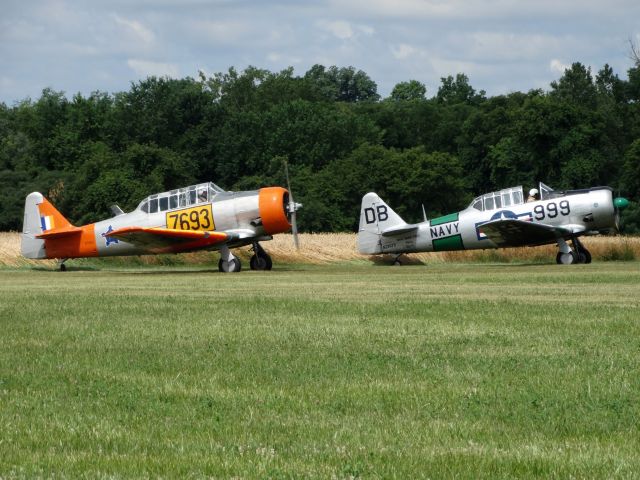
260	262
233	266
566	258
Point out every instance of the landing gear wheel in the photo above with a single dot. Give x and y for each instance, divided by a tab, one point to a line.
566	258
260	259
260	262
232	266
63	267
583	254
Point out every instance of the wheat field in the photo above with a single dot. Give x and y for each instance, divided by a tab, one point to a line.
327	248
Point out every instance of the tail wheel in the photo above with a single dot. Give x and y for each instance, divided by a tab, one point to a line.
233	265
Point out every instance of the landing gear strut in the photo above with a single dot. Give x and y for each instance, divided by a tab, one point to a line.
228	262
568	257
260	259
583	254
63	267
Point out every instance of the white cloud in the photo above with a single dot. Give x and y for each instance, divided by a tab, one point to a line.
515	47
398	8
136	29
344	30
145	68
503	45
482	9
21	32
556	66
229	32
283	59
340	29
402	51
367	30
6	82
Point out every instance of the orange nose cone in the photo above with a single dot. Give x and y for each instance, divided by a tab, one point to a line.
272	202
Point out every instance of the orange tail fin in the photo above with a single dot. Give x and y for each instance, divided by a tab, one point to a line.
46	233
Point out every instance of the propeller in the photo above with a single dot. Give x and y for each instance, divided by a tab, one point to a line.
292	207
619	204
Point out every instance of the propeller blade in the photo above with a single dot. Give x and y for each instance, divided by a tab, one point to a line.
286	173
294	230
293	206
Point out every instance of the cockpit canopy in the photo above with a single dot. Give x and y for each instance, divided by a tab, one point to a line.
501	199
182	197
510	196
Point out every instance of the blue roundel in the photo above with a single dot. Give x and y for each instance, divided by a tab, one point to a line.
503	214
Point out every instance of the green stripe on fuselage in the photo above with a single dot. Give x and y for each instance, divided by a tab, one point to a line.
452	217
453	242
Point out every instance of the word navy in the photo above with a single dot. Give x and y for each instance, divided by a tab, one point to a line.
444	230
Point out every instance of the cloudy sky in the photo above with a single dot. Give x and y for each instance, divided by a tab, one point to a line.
502	45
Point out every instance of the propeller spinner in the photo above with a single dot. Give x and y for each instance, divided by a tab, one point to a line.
619	204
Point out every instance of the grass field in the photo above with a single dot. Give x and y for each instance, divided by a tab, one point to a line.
440	371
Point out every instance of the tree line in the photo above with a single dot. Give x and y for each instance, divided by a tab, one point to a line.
339	137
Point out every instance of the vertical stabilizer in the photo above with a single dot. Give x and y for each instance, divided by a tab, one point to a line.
375	217
40	216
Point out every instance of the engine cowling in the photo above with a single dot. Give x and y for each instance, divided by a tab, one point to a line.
272	204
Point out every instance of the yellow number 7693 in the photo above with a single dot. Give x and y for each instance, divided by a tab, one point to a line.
197	218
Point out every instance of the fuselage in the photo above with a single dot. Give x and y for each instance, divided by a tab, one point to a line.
580	211
227	211
244	217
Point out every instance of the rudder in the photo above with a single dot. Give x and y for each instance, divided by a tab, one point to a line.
375	217
40	216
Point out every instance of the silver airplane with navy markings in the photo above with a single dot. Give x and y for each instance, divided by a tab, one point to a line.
499	219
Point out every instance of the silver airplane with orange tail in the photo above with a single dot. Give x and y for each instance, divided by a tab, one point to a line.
199	217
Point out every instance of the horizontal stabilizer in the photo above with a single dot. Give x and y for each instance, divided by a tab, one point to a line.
60	232
397	230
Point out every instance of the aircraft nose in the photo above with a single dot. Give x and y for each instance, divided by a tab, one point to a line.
272	204
620	203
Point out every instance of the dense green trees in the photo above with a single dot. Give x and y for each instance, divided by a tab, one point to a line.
340	139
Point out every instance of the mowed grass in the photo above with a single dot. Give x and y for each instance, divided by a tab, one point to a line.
440	371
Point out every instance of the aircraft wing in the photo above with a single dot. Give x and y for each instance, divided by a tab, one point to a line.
509	232
167	240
